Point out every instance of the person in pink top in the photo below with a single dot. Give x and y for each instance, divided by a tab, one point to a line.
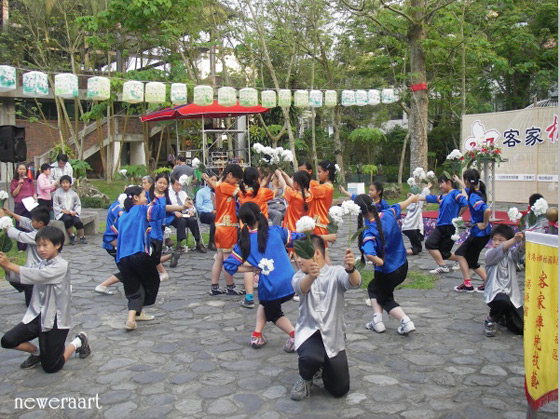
45	187
22	187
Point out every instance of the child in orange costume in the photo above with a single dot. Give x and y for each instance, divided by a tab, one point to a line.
322	194
252	190
226	190
296	193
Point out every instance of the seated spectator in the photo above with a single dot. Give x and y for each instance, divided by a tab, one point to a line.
204	203
67	208
184	219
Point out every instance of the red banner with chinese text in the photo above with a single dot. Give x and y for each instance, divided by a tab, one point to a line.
540	334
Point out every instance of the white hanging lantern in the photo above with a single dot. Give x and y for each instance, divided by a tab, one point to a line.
178	93
227	96
203	95
387	96
155	92
331	98
133	91
374	97
98	88
66	85
315	98
361	98
301	99
8	79
268	99
35	83
348	98
285	98
248	97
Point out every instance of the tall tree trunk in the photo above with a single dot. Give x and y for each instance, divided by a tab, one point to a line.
337	143
100	143
403	155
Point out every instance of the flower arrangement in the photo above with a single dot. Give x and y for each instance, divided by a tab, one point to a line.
273	158
5	242
534	217
460	226
485	151
455	162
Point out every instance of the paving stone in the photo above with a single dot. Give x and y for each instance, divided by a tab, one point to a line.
189	407
381	380
221	407
121	410
150	377
495	370
250	402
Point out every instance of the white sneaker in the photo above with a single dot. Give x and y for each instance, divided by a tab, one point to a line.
406	327
103	290
163	276
378	327
440	270
456	267
296	298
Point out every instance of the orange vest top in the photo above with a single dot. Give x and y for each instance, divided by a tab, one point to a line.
263	196
321	203
295	209
225	205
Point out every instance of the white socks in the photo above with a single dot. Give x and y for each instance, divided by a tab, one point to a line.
405	319
37	352
77	342
377	318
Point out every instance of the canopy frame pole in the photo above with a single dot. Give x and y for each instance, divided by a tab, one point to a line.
204	151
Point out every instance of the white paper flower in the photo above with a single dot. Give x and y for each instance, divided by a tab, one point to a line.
350	208
121	199
514	215
275	159
258	147
287	156
540	207
266	266
195	163
304	224
454	155
185	180
411	181
3	195
167	233
419	173
430	174
455	237
336	169
5	223
336	214
123	172
268	150
458	222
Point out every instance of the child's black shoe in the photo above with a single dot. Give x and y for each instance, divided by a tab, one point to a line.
83	351
30	362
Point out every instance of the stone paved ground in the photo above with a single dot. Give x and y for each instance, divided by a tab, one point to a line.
194	360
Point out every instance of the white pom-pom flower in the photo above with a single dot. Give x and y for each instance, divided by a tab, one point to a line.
268	150
411	181
185	180
266	266
3	195
123	172
540	207
419	173
287	156
350	207
121	199
195	163
5	223
514	215
454	155
336	214
430	174
336	169
258	147
455	237
304	224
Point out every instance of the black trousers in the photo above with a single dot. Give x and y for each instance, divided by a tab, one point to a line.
51	343
26	288
209	218
383	285
113	253
71	221
181	225
415	238
140	280
504	312
312	356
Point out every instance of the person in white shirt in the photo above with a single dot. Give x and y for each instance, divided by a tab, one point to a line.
320	330
184	219
61	168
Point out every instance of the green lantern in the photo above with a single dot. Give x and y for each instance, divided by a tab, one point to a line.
227	96
248	97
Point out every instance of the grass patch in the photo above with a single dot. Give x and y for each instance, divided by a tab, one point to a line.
112	189
414	280
16	257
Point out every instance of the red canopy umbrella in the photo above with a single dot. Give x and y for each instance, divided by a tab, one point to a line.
193	111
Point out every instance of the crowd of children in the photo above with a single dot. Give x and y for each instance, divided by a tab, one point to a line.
246	242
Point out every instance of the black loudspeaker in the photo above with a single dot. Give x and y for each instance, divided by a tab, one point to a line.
12	144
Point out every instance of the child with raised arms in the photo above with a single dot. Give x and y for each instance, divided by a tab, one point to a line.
226	190
376	193
48	315
259	245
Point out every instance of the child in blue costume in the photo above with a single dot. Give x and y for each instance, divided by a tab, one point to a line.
468	253
109	242
263	248
452	204
383	245
139	274
375	192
